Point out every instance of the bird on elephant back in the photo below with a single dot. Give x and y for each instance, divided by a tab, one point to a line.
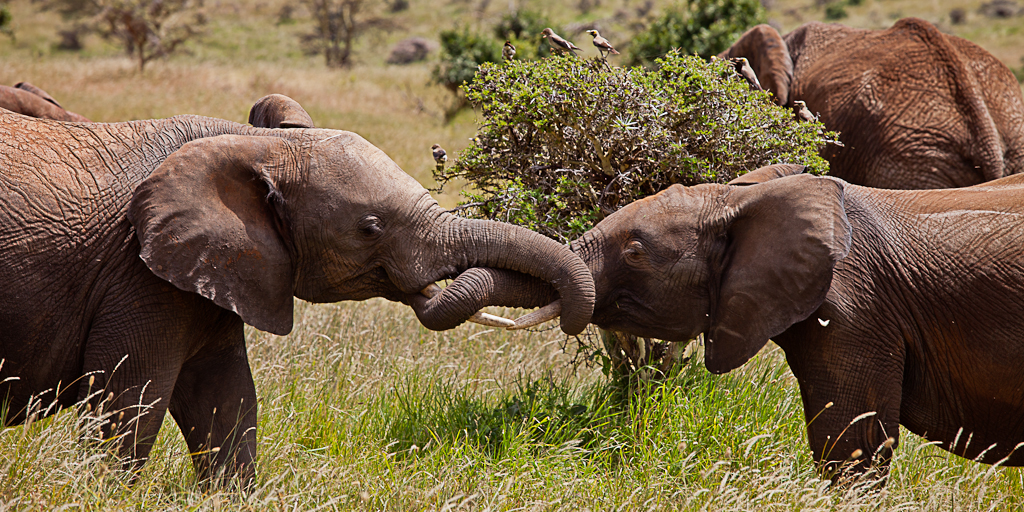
27	99
915	108
133	253
893	307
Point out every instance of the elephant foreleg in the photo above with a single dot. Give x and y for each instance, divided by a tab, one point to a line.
214	405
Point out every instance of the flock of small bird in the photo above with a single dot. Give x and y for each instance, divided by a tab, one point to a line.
563	45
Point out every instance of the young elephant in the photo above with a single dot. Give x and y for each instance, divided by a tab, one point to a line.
133	252
895	307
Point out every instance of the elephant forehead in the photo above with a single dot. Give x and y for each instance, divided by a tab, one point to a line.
347	160
675	209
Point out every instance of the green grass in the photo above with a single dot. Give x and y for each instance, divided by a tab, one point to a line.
363	409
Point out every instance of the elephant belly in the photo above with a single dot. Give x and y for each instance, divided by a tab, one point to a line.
970	400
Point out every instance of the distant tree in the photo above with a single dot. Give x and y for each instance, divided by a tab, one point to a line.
146	29
337	25
704	27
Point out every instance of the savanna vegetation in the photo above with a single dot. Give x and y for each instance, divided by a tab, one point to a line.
361	407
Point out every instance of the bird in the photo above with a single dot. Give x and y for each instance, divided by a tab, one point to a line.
742	67
558	43
509	51
602	44
801	111
439	156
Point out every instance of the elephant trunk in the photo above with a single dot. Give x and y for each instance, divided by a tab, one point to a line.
488	247
477	288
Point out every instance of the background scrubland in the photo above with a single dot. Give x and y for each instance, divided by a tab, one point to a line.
363	409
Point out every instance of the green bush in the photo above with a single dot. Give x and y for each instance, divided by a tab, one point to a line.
462	52
835	11
523	28
566	141
704	27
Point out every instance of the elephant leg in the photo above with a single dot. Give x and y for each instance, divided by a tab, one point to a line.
851	399
214	405
127	389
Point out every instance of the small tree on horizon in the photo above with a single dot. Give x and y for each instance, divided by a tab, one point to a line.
336	26
146	29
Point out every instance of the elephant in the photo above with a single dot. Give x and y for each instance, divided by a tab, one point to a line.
891	306
914	108
27	99
133	253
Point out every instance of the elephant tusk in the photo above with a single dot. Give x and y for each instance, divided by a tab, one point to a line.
479	317
549	312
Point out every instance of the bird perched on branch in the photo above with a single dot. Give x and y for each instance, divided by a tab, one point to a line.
742	67
558	43
440	157
801	112
508	51
602	44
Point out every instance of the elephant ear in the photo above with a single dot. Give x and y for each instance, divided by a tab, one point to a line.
279	111
769	57
768	172
211	220
784	237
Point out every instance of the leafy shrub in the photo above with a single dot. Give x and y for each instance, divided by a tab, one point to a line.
462	52
835	11
523	28
704	27
5	20
566	141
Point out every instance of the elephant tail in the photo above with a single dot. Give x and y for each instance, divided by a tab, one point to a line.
985	148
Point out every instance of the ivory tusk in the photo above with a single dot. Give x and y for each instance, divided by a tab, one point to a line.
479	317
549	312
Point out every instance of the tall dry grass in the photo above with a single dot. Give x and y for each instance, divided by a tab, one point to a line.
363	409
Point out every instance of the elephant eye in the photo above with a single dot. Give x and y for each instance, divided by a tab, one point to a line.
634	252
371	226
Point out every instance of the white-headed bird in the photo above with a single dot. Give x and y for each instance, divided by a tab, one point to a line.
602	44
440	157
801	112
508	51
558	43
742	67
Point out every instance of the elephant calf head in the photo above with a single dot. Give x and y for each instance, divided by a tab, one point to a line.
250	221
740	264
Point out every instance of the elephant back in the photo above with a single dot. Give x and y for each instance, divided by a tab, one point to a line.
907	80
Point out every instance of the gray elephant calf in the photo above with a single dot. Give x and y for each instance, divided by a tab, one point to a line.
133	252
895	307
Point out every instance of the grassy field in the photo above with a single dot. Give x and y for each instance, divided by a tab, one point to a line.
363	409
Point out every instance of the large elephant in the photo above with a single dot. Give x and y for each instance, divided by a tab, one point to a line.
915	108
133	252
892	307
27	99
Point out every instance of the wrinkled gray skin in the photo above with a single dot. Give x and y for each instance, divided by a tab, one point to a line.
915	108
903	305
27	99
133	252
